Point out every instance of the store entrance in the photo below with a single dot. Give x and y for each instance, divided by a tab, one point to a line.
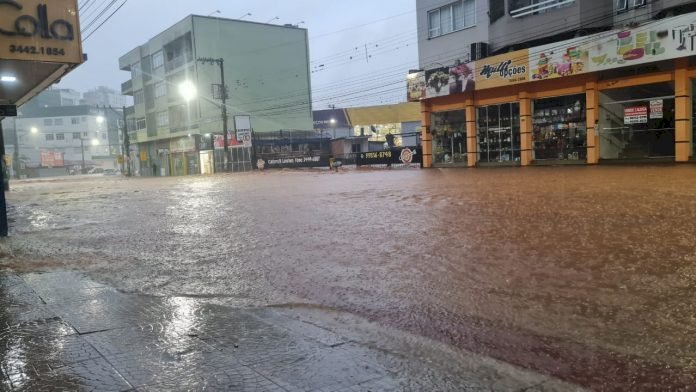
206	162
560	129
641	126
449	138
499	133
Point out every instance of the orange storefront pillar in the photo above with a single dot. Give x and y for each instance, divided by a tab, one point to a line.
426	136
682	111
526	127
471	134
592	115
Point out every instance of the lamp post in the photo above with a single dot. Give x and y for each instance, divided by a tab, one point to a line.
333	125
220	62
126	138
95	142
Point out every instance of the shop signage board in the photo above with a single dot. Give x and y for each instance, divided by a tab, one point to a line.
635	115
437	82
502	70
656	108
40	30
51	158
183	144
244	137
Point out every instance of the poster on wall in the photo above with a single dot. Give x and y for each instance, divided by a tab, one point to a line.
558	60
415	86
666	39
437	82
502	70
656	108
461	77
635	115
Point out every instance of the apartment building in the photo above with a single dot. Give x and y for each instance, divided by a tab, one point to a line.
533	82
176	119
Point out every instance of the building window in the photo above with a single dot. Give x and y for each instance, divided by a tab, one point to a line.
76	135
497	9
139	97
58	121
60	136
519	8
85	134
160	89
451	17
48	122
84	119
157	60
135	70
621	5
638	3
162	119
75	120
140	123
49	137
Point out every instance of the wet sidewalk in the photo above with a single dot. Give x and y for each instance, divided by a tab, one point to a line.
63	331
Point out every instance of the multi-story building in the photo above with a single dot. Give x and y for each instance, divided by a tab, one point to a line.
104	96
176	117
524	82
55	97
60	137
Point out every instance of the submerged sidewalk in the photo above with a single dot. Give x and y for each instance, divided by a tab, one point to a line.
62	331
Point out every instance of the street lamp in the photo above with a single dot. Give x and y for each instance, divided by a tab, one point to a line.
188	90
100	119
34	130
333	124
220	62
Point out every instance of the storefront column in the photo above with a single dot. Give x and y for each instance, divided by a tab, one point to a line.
471	134
426	136
526	127
592	116
682	111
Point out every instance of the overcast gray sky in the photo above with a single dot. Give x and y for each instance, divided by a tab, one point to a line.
338	30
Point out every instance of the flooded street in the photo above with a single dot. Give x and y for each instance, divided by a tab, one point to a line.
583	273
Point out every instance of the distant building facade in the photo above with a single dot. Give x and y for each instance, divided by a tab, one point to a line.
267	77
104	96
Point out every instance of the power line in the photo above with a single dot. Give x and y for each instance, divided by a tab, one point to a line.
105	20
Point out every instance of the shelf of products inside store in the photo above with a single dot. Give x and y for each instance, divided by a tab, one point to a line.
561	132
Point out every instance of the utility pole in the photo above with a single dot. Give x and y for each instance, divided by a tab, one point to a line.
15	160
223	96
126	143
82	149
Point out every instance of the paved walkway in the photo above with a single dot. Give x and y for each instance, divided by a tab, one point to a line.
62	331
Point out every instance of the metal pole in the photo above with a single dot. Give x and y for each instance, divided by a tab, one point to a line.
221	63
15	162
126	143
82	149
3	205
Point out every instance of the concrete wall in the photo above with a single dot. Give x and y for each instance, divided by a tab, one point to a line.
266	70
456	45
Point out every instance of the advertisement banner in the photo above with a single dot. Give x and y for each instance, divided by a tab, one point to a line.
303	161
502	70
663	40
40	30
635	115
559	59
656	108
415	86
461	77
219	141
393	156
437	82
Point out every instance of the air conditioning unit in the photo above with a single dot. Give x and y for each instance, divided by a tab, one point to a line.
479	50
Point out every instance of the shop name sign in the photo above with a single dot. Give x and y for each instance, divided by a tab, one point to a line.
40	30
504	70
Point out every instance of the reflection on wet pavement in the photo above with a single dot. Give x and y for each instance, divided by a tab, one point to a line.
119	342
583	273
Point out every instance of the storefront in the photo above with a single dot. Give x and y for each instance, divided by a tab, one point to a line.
499	134
617	95
637	122
184	157
449	138
560	129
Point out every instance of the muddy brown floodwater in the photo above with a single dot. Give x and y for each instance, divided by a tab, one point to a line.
584	273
